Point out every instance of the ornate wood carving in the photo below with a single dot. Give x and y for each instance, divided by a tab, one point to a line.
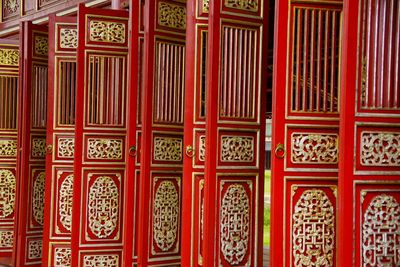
38	198
9	57
172	15
107	31
314	148
380	149
104	148
7	187
68	38
167	149
8	148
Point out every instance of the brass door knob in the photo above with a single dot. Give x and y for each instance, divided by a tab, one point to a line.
280	151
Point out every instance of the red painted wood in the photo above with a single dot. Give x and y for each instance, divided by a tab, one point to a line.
59	141
231	121
100	137
31	138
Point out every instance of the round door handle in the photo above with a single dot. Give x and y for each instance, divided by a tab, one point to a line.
190	151
132	151
280	151
49	149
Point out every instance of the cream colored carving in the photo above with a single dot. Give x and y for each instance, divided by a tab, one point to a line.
166	215
35	249
235	224
38	198
68	38
9	57
380	149
101	260
103	207
8	148
202	148
6	239
7	193
247	5
314	148
65	201
38	147
11	6
107	31
237	149
62	257
66	147
171	15
167	149
381	232
104	148
41	45
313	230
206	6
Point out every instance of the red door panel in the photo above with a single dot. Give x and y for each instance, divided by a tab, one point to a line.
32	144
63	41
9	90
100	137
370	129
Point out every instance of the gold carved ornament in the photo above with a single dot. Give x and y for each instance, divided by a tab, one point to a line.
41	45
6	239
103	207
380	149
202	148
381	232
35	249
107	31
313	230
237	149
68	38
314	148
66	147
206	6
247	5
7	196
235	224
167	149
101	260
10	6
38	147
65	201
38	198
8	148
166	215
172	16
62	257
9	57
104	148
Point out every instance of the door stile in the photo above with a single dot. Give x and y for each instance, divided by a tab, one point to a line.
235	130
63	41
194	133
32	136
9	110
100	137
369	172
159	233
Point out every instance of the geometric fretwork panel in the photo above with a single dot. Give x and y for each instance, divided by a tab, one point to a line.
380	149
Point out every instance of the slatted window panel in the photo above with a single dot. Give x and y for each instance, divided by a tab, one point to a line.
39	96
380	54
66	93
315	60
238	73
169	83
8	102
106	90
203	81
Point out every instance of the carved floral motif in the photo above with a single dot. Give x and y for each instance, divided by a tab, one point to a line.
38	147
65	201
166	215
10	7
381	232
7	193
380	149
35	249
66	147
100	260
38	198
107	31
62	257
41	45
6	239
237	149
9	57
314	148
104	148
313	230
103	207
8	148
172	16
206	6
235	224
68	38
167	149
202	148
247	5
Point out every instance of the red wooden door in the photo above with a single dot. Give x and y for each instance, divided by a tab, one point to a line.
369	227
194	133
63	41
100	137
235	122
305	133
32	144
9	90
159	233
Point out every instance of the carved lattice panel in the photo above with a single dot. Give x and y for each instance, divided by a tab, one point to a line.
110	258
10	9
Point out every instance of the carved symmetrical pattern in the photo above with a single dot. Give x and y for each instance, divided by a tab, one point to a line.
237	149
100	260
68	38
41	45
65	201
167	149
8	148
107	31
380	149
10	7
166	215
313	230
7	193
248	5
381	232
314	148
103	207
202	148
104	148
38	198
206	6
6	239
9	57
62	257
38	147
66	147
35	249
172	16
235	224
